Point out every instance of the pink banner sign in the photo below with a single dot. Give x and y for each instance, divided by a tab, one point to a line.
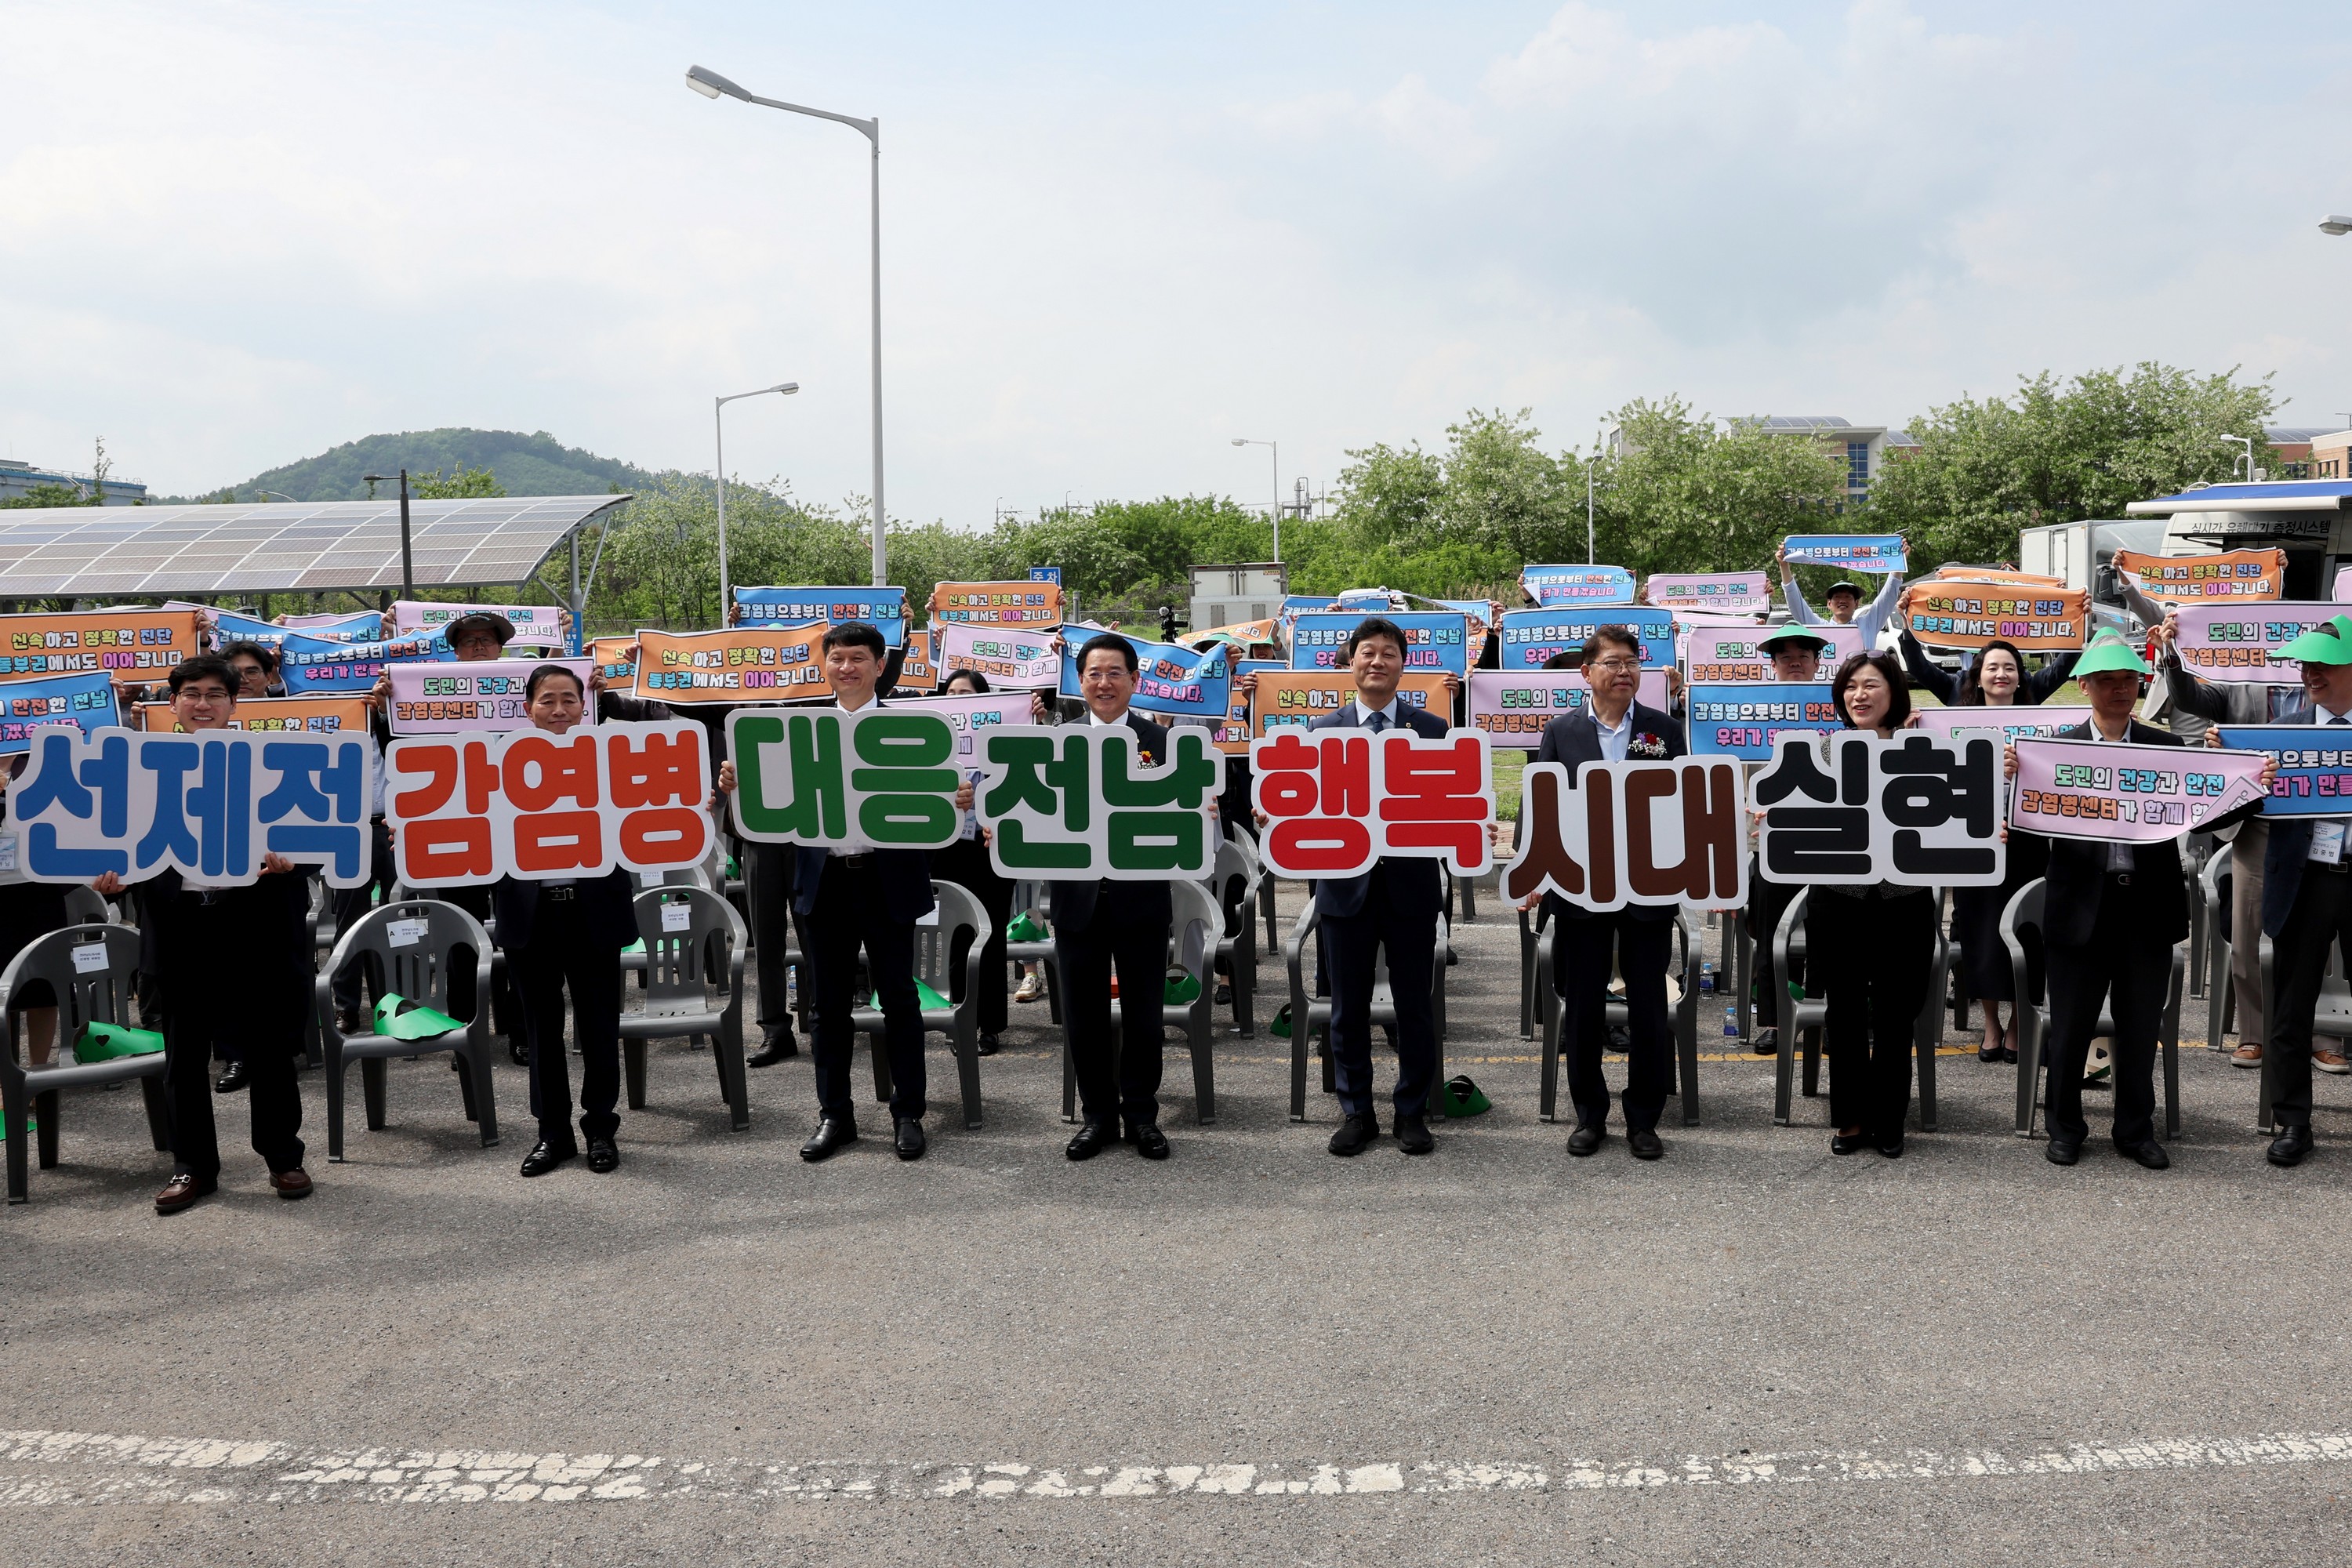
1720	655
974	716
2141	795
2011	723
444	698
2235	642
535	625
1510	708
1723	592
1025	657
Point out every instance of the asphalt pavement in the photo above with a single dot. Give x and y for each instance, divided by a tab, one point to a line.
1750	1352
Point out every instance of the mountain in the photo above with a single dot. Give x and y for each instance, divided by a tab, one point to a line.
532	465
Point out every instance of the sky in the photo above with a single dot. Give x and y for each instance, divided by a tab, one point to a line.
1116	238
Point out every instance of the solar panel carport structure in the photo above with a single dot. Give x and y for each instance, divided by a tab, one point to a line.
285	547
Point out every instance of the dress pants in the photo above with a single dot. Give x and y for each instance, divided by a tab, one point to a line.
561	956
2246	852
1581	965
1139	948
850	914
1409	936
1873	954
768	889
209	998
1767	902
350	903
2321	919
510	1015
967	865
2129	971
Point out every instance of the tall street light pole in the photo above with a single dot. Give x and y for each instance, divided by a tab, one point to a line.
710	84
407	564
726	591
1276	452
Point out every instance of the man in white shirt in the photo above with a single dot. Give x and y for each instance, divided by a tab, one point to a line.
1844	602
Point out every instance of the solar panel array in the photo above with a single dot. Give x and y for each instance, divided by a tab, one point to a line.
281	547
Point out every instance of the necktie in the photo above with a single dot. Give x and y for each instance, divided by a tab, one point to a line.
1379	721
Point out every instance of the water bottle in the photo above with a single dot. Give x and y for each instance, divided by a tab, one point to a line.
1730	1022
1706	974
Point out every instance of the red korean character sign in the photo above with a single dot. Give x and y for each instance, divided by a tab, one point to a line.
1337	800
468	809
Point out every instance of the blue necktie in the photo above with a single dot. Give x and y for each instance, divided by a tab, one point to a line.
1377	723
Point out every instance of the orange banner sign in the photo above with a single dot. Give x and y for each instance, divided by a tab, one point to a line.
747	664
616	657
1952	569
2201	579
1957	612
310	715
997	603
135	647
1294	699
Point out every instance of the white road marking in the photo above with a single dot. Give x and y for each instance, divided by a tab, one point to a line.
43	1468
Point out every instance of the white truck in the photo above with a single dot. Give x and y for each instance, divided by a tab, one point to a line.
2082	554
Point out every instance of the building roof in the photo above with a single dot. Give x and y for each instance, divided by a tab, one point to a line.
1801	422
2289	435
2278	495
281	546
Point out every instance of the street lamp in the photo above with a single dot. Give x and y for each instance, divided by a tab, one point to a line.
726	595
2335	224
407	564
2247	442
710	84
1276	452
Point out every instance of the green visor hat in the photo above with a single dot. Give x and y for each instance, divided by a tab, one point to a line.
2109	651
1793	636
2328	643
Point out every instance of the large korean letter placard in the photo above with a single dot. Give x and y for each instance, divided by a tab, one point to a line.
208	806
1633	833
881	778
2142	794
1908	809
1076	803
1337	800
532	803
2314	769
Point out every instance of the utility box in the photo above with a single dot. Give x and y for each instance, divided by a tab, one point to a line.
1229	596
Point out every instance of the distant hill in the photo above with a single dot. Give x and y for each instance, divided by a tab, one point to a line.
532	465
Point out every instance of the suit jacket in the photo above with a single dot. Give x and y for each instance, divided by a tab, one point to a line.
1141	903
2286	854
271	915
905	874
1574	740
608	902
1413	881
2158	898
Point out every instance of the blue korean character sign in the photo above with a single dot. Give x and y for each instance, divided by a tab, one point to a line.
881	778
1434	639
1568	586
1194	683
1747	721
885	609
1531	637
313	665
1877	552
1079	802
83	701
207	805
2314	769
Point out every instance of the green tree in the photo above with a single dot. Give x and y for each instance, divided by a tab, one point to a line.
52	495
1681	494
460	484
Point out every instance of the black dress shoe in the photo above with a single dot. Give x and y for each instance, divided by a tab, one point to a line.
1355	1135
545	1156
347	1021
1412	1135
1644	1143
775	1046
604	1155
1621	1038
1586	1139
1089	1141
2149	1153
1224	994
1988	1055
911	1141
1767	1042
833	1134
2063	1150
232	1077
1149	1141
2291	1145
1892	1147
987	1046
1848	1142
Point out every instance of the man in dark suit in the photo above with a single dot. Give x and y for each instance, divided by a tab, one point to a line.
1104	924
2307	898
1613	727
2111	914
1394	907
559	936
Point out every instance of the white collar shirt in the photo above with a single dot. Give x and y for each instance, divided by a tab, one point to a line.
1392	716
1614	741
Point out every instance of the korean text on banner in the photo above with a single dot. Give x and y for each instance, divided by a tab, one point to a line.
1530	637
272	716
918	665
2015	722
1338	800
1168	678
1008	656
1481	616
1876	552
360	625
1574	586
476	694
535	625
1024	603
1294	699
971	716
1909	810
1716	593
1747	721
2232	575
878	778
885	609
228	626
28	707
311	665
1434	639
748	664
1632	832
133	647
1511	707
1076	803
2314	770
1719	656
1961	613
616	658
2222	642
470	809
208	806
1234	731
2141	794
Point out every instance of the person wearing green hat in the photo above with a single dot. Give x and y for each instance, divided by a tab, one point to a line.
2306	897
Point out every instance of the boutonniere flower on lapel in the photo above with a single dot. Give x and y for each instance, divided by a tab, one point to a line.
1647	745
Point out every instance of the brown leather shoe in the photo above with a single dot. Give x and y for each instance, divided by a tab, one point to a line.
184	1189
2246	1057
293	1184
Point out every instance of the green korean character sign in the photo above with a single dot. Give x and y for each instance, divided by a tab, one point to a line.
1076	803
881	778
